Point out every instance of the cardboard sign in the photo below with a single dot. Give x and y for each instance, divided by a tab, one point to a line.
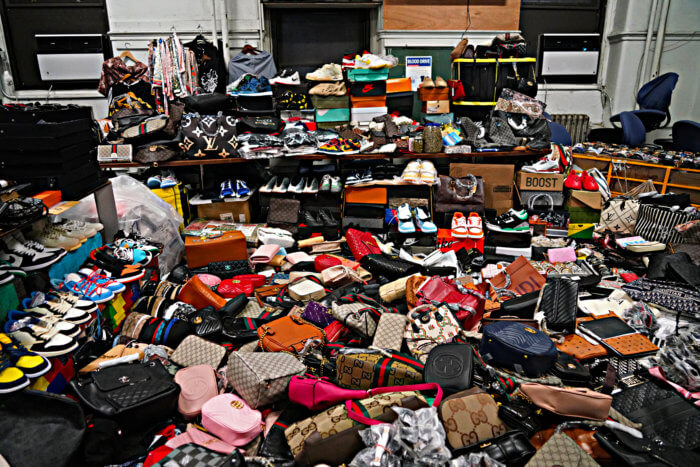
540	181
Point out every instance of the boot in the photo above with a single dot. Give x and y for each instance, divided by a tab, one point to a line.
197	294
311	221
327	219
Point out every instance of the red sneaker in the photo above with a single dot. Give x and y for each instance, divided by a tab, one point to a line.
573	181
588	182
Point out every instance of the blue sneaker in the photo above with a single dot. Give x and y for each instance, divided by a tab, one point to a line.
102	280
168	181
403	213
226	189
423	220
80	286
154	181
242	189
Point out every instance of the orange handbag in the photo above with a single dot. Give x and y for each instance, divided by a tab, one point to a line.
230	246
288	334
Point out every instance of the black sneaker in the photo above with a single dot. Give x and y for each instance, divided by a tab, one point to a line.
5	276
25	258
510	221
113	267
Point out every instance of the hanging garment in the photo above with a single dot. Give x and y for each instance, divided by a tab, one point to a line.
213	75
260	64
115	70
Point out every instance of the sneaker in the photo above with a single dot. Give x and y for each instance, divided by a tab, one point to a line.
475	228
12	379
6	276
15	271
40	306
38	247
154	248
46	344
366	176
427	83
428	174
328	72
86	289
102	280
132	255
588	183
79	229
459	226
340	146
269	186
168	181
73	300
115	268
573	181
286	77
325	183
32	365
548	164
510	221
329	89
25	258
242	189
423	221
411	174
153	181
336	185
403	214
297	186
283	186
47	322
311	186
372	61
52	236
226	189
354	178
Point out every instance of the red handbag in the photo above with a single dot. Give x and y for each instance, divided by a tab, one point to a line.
456	89
322	262
258	280
230	288
470	302
361	244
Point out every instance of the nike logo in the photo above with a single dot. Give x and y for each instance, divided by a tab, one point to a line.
367	88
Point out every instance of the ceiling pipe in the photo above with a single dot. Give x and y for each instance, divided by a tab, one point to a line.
224	31
660	38
214	33
647	43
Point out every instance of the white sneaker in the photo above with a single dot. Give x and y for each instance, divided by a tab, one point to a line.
53	237
328	72
548	164
403	214
325	183
411	174
25	258
372	61
38	247
77	229
291	80
459	225
428	174
475	227
336	185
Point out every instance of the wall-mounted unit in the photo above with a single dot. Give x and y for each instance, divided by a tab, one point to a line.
63	57
566	58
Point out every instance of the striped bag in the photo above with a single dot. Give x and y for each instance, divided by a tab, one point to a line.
656	224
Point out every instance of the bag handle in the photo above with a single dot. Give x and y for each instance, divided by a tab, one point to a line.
373	392
531	202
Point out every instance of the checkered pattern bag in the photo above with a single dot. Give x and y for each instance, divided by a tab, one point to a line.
194	350
262	378
390	331
193	455
619	215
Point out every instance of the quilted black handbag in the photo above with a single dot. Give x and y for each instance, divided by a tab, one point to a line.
519	347
131	394
208	136
559	303
391	267
631	451
206	322
228	269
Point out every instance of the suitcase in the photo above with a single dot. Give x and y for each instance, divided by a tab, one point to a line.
230	246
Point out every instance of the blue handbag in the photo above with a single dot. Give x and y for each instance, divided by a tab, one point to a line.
518	347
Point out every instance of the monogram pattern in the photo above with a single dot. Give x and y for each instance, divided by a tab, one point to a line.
262	378
620	215
390	331
471	419
364	371
335	419
356	316
209	136
429	328
194	350
560	449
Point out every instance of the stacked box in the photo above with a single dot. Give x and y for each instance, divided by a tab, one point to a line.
367	94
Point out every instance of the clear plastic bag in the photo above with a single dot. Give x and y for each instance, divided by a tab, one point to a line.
140	211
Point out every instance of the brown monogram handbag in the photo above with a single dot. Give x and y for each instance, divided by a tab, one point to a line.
469	417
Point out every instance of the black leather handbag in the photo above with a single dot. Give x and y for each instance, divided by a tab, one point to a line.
522	416
209	136
206	323
451	366
131	394
512	449
228	269
559	303
631	451
242	330
391	267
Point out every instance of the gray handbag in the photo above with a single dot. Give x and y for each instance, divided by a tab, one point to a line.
262	378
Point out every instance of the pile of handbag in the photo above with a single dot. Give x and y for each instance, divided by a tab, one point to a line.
308	353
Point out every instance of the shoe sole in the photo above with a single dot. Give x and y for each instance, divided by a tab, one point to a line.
456	235
126	280
496	228
41	373
57	353
7	280
16	388
553	171
474	237
406	231
42	265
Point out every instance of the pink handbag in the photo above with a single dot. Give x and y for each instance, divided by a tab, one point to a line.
195	436
231	419
317	394
197	385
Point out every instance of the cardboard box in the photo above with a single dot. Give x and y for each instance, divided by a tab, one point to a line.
540	182
366	114
498	182
394	85
434	94
584	231
585	199
436	107
50	198
235	211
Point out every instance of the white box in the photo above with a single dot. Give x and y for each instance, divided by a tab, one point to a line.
366	114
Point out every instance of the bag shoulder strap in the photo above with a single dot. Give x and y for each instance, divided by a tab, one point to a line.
373	392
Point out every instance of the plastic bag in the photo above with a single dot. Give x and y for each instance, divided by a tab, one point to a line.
140	211
416	438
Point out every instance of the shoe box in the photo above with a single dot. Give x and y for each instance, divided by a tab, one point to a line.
330	102
584	206
540	181
234	210
368	102
434	94
366	114
255	104
398	85
498	182
401	102
433	107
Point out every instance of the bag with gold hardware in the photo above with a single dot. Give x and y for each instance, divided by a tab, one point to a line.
231	419
288	334
209	136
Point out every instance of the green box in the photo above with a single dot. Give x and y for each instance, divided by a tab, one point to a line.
580	215
332	115
330	102
368	74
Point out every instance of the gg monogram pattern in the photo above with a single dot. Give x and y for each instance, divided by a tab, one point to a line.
428	327
469	419
335	419
194	350
364	371
262	378
390	331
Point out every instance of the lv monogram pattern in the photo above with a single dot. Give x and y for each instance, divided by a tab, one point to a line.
561	450
471	419
364	371
262	378
194	350
335	419
620	216
209	136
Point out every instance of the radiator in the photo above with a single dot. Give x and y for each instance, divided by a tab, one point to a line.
576	124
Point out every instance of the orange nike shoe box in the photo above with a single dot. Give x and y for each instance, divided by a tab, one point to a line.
368	101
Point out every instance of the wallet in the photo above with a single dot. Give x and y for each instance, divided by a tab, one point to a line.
580	348
618	337
264	254
390	330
